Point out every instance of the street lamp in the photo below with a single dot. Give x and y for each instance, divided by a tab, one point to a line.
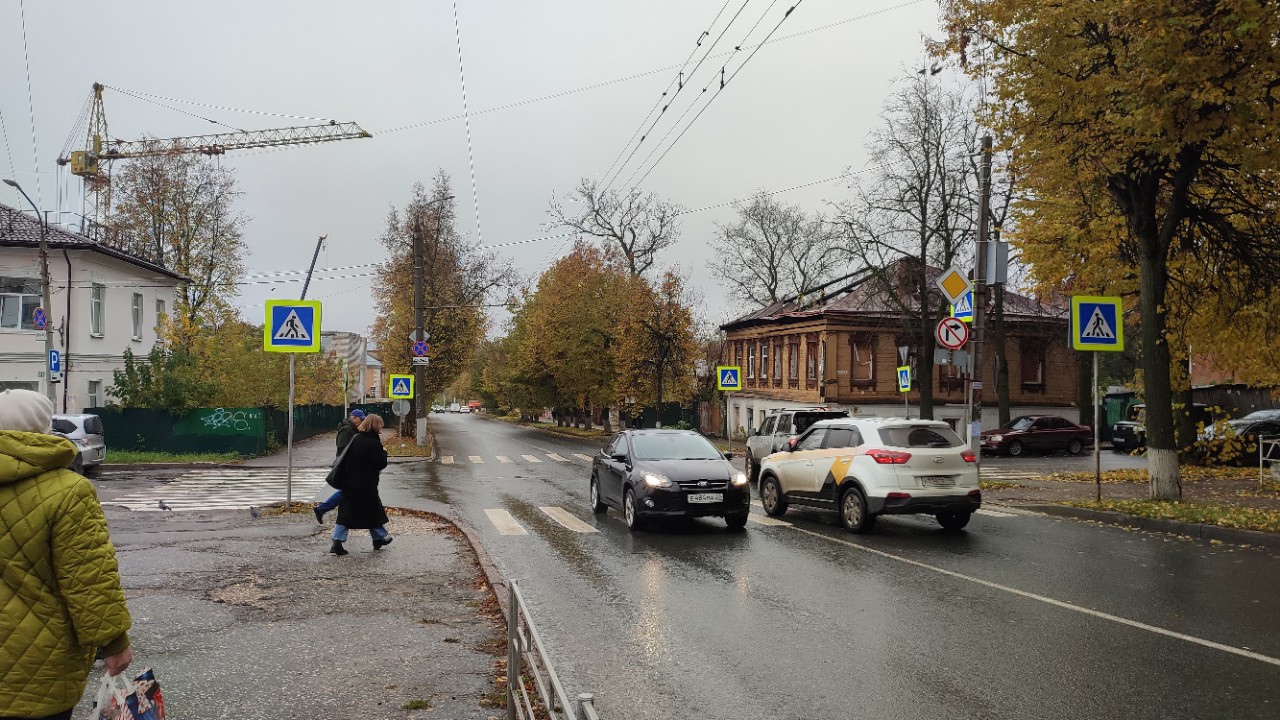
44	283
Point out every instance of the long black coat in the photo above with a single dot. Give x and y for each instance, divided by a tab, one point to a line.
360	506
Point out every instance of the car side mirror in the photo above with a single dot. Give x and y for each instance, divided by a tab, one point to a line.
752	432
791	443
728	456
619	458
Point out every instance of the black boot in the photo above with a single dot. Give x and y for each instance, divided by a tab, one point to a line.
319	514
337	548
379	543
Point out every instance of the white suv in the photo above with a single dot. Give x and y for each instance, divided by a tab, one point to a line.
865	467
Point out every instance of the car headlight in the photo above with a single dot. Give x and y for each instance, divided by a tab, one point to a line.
658	481
996	438
740	478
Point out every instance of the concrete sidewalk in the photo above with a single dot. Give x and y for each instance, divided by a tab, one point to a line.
318	451
252	618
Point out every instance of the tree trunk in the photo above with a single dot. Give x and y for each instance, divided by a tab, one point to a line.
1184	422
657	419
1001	354
1162	453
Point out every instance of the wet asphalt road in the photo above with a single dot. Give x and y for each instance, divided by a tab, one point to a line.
1021	616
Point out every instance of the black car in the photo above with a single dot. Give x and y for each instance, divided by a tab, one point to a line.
1131	433
667	473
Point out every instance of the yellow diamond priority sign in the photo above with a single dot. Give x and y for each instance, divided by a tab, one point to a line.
954	285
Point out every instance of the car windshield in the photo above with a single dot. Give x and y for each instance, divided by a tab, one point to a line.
1022	423
805	419
673	446
920	436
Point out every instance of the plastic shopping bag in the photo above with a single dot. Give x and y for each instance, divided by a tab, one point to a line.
120	699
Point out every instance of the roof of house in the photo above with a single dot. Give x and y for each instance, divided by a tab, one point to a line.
870	293
19	230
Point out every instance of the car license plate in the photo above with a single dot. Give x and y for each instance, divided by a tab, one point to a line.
938	481
706	497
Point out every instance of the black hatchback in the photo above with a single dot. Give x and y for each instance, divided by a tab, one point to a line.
667	473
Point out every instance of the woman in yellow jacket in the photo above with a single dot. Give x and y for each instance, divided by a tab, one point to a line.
60	595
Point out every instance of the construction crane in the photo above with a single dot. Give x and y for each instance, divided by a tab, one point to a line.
93	162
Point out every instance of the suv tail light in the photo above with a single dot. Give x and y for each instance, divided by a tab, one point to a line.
889	457
968	456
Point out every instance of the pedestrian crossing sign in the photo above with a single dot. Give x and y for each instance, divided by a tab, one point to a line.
400	387
963	308
904	378
729	378
292	326
1097	323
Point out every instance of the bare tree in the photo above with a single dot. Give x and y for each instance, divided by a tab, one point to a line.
634	224
772	251
921	206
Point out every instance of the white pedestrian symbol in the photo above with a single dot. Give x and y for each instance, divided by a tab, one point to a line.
1098	328
963	307
402	387
292	328
730	378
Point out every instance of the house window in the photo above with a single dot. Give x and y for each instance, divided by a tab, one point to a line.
751	361
793	359
1033	356
777	365
97	298
862	370
160	314
95	394
764	360
19	298
811	361
137	316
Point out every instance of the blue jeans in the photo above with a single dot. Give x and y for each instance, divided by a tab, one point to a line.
331	503
340	533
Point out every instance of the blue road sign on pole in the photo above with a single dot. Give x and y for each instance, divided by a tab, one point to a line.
963	309
729	378
55	366
39	318
292	326
1097	323
904	378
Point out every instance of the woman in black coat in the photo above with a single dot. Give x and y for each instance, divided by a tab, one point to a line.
360	507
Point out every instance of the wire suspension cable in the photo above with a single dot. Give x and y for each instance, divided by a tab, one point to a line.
178	110
466	116
31	104
143	95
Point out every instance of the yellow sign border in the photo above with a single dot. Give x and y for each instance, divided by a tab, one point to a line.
719	374
901	387
315	305
1076	300
391	383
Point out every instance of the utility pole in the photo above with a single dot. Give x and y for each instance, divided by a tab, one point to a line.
44	288
420	420
293	365
980	300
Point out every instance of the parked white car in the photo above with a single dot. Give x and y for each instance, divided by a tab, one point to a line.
86	432
862	468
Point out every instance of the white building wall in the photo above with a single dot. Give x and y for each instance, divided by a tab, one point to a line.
86	357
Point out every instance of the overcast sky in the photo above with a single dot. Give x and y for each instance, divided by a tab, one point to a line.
799	111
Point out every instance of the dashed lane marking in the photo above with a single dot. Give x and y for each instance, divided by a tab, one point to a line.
557	458
476	459
505	523
567	519
531	458
446	460
580	456
504	459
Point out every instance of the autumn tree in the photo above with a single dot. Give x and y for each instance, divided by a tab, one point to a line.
634	224
569	328
920	205
461	280
1146	138
772	251
177	210
657	343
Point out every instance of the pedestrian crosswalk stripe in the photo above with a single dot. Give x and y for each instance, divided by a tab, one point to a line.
227	489
557	458
505	523
447	460
504	459
994	513
580	456
476	459
531	458
567	519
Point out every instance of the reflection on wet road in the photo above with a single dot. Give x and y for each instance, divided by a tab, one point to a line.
1020	616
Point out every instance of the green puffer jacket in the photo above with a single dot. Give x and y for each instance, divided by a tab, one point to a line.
60	595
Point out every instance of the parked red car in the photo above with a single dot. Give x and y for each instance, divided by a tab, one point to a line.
1038	433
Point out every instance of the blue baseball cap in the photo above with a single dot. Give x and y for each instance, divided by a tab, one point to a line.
357	413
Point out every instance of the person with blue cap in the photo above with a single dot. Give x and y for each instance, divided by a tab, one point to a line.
346	430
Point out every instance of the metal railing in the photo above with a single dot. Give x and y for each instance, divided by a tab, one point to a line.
527	656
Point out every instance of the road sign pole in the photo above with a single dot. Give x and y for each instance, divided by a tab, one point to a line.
420	420
1097	451
980	303
288	478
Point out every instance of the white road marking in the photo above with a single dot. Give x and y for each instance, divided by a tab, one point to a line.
505	523
1051	601
476	459
557	458
504	459
993	513
531	458
446	460
766	520
567	519
580	456
228	489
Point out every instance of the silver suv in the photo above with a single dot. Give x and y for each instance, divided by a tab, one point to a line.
862	468
86	433
779	427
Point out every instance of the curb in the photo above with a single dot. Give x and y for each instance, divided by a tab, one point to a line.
168	466
490	570
1198	531
549	429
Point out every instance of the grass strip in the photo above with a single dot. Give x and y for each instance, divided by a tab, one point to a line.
1189	473
1209	513
131	457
